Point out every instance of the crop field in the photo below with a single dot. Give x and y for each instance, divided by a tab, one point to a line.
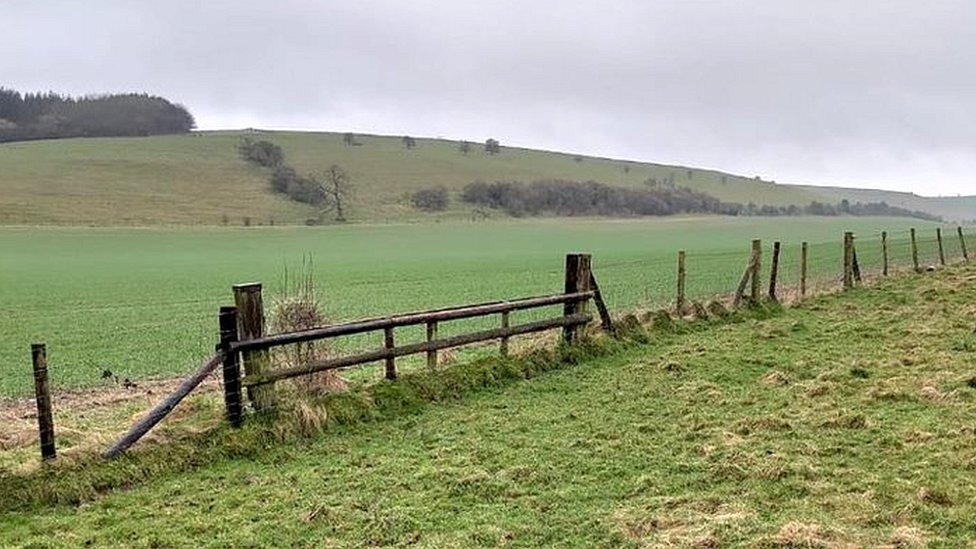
142	303
843	422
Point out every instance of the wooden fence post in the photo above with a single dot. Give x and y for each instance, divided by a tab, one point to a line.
503	347
848	260
250	325
388	344
774	271
578	275
231	366
914	250
680	301
756	268
42	394
962	244
884	253
803	269
431	336
938	238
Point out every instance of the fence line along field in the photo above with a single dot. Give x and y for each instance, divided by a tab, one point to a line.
117	304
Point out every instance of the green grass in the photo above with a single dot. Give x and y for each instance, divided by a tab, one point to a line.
143	302
199	179
845	422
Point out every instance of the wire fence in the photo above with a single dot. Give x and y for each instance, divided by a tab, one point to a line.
627	284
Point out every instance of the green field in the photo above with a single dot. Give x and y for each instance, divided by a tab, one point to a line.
142	302
198	179
846	422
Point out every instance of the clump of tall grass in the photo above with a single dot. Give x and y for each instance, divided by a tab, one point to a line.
298	308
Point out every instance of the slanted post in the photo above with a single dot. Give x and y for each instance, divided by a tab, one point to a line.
848	260
431	336
577	280
914	250
962	244
803	269
774	271
231	367
756	268
884	253
740	290
938	238
388	344
42	394
503	347
680	301
250	325
855	266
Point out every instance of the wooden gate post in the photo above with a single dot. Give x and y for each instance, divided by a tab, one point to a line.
938	238
42	394
803	269
884	253
848	260
250	325
962	244
914	250
578	276
231	366
756	268
774	271
680	301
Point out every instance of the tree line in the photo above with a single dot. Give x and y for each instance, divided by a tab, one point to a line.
575	198
328	192
51	115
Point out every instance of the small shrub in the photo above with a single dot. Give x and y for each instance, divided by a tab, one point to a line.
434	199
262	153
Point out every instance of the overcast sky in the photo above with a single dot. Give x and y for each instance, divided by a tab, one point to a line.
858	93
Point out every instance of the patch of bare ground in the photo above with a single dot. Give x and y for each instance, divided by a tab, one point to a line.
88	417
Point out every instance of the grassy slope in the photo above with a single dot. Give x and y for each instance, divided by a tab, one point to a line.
960	208
847	422
142	302
197	179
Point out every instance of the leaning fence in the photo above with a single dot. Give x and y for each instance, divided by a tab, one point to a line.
776	271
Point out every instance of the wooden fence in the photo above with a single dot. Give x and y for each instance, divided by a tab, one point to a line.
243	343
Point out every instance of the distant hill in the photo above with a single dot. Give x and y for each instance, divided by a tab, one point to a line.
954	208
198	178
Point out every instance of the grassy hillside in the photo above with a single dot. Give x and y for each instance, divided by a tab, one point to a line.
955	208
198	178
844	423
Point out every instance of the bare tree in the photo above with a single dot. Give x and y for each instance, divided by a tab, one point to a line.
409	142
464	147
349	139
336	190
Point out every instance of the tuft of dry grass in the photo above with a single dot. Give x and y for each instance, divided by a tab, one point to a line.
298	308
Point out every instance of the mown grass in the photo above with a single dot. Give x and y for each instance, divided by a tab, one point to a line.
198	179
142	302
844	422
